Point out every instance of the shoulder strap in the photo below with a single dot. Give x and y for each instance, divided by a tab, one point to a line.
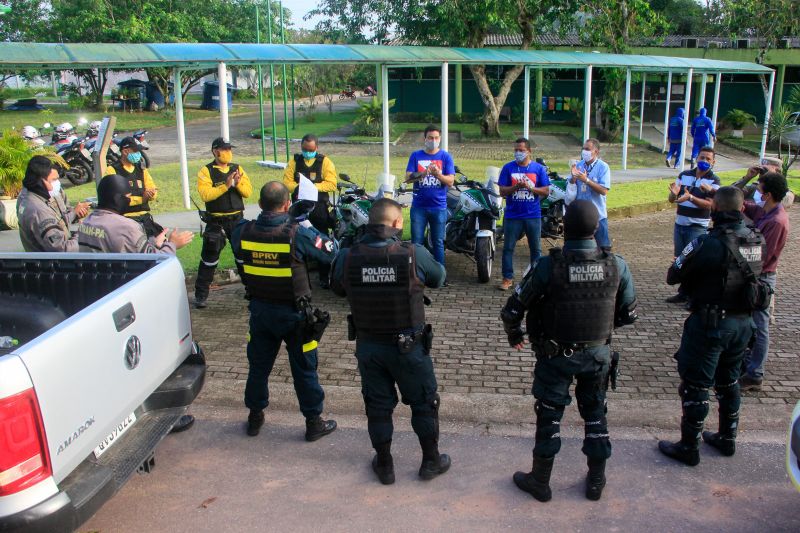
740	261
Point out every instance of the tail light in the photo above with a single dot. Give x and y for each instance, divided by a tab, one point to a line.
24	459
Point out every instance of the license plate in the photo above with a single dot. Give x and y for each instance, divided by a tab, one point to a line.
115	434
86	153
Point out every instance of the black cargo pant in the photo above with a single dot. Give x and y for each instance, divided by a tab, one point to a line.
381	366
552	378
711	356
218	230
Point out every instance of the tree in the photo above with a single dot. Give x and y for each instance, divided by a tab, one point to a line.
612	25
684	17
450	23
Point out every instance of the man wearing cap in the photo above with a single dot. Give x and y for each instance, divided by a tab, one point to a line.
43	210
320	170
140	182
574	298
692	192
222	185
765	164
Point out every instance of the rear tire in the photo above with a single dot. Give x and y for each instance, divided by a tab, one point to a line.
79	172
483	258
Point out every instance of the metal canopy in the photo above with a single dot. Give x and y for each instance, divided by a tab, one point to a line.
58	56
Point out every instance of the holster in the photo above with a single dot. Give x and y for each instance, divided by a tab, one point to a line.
427	338
710	316
351	329
613	371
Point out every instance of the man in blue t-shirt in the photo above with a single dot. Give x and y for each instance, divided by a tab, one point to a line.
592	178
521	183
432	171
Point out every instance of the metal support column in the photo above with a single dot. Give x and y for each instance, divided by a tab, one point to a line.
526	104
385	108
587	104
459	90
627	120
767	115
184	165
641	105
222	75
686	106
715	113
539	94
445	105
701	102
666	110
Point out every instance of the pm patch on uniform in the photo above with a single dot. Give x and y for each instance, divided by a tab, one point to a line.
384	274
581	273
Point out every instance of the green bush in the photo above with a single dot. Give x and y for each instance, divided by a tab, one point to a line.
369	117
75	102
738	119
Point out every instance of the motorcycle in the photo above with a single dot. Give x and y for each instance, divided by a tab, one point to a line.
553	206
92	133
79	159
370	91
473	210
347	93
351	210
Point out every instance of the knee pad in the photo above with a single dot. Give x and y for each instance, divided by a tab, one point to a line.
429	408
729	397
548	429
694	401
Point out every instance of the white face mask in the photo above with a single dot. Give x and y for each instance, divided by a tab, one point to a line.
56	188
586	155
431	145
758	199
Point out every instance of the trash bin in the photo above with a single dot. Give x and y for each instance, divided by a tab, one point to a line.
154	95
211	95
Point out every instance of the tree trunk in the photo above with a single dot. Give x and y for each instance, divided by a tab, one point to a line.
490	121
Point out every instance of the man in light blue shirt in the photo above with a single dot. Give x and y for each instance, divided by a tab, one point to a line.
592	178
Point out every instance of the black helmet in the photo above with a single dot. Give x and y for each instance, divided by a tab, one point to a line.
111	193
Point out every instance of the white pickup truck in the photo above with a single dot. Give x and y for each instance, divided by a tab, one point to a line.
104	366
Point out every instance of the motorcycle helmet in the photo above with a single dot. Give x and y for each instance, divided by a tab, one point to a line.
94	128
30	133
64	127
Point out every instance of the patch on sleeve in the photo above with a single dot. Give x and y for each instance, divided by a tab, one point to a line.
329	246
318	243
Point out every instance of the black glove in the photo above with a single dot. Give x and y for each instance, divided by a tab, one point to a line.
512	315
516	335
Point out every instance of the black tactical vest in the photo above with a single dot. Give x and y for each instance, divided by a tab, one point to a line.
136	185
314	173
727	291
581	296
385	294
271	270
229	202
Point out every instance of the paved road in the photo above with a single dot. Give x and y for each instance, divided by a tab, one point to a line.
214	478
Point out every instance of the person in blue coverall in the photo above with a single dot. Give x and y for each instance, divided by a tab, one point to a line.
675	135
702	132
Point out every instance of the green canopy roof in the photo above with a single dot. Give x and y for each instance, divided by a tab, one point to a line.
58	56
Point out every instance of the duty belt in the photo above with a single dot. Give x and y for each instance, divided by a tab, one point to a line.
392	338
550	348
224	218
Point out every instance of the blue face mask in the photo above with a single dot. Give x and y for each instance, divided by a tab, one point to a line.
520	156
309	155
704	166
135	157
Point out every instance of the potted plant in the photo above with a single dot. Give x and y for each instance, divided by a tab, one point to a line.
15	152
737	120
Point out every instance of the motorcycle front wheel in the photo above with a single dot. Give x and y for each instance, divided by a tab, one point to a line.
483	258
79	172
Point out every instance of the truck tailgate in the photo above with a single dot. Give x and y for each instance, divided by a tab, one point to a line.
94	369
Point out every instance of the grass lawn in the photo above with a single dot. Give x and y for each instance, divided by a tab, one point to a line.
125	121
750	142
320	123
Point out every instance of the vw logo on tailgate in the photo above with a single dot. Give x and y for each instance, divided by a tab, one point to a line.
133	352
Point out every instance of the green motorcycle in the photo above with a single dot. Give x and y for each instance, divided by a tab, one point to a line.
553	206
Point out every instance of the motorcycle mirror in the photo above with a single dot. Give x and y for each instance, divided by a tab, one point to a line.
345	177
540	160
458	170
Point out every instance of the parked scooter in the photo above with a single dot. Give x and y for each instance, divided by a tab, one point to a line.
473	210
553	206
114	155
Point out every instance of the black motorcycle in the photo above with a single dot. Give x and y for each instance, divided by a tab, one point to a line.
79	159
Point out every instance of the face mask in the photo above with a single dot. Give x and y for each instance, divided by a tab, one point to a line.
704	166
225	156
309	155
758	199
431	145
586	155
519	157
135	157
56	188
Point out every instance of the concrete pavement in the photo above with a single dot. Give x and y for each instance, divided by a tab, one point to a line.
214	478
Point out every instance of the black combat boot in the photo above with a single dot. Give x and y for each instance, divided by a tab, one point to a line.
537	482
383	464
254	421
433	462
686	450
725	444
316	428
596	478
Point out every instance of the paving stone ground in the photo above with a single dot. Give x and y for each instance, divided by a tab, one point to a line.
470	351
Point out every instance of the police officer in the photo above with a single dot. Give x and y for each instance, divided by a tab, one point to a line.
107	230
719	327
574	298
322	173
384	281
43	210
222	185
143	188
272	252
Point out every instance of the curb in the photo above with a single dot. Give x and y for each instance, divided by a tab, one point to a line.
502	409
